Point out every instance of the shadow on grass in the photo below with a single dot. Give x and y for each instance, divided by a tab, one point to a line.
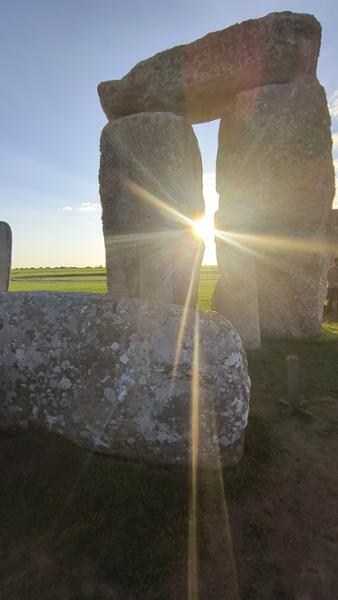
260	452
129	522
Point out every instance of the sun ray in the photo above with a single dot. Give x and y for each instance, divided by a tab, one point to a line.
218	518
232	239
252	242
160	204
208	486
147	174
130	239
193	525
186	307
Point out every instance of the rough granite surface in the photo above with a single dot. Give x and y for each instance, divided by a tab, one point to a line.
275	179
5	255
196	80
151	191
101	374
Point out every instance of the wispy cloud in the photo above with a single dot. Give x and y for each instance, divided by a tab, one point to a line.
335	140
83	208
333	105
89	207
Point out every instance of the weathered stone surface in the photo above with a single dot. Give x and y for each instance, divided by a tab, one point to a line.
102	375
333	228
275	178
274	162
5	255
197	79
235	295
151	187
292	288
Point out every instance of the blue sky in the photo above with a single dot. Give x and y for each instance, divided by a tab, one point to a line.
52	55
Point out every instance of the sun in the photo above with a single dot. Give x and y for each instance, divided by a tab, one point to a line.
204	228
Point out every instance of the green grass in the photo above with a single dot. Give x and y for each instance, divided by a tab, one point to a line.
59	285
208	279
56	271
125	520
91	280
87	280
318	359
89	517
261	450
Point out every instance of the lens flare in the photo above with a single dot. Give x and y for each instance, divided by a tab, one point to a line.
204	228
207	524
193	575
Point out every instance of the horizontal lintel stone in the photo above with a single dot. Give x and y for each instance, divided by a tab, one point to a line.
196	80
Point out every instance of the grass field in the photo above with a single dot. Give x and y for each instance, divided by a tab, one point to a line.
59	280
91	280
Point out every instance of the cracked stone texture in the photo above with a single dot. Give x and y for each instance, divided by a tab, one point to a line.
150	174
275	178
5	255
196	80
101	375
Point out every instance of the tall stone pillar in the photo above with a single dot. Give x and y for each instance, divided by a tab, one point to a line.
275	178
5	255
151	191
235	295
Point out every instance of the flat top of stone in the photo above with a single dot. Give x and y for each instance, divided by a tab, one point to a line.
302	21
195	80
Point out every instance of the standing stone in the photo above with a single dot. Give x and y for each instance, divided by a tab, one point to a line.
275	178
151	191
5	255
235	295
333	227
196	80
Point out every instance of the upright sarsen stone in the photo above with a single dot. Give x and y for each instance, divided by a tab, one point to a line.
275	178
5	255
151	192
196	80
235	294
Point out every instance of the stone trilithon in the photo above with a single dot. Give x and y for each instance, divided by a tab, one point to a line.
126	377
275	175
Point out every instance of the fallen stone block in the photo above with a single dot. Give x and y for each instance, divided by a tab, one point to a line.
110	377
